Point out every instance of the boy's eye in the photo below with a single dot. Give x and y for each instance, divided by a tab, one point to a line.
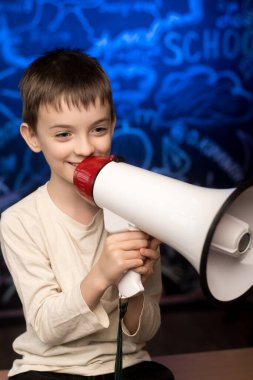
63	134
100	130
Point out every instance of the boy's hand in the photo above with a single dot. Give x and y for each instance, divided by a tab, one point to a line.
150	255
122	252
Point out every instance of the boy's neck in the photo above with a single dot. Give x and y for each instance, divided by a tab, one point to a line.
67	199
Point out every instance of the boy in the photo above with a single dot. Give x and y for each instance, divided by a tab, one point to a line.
64	265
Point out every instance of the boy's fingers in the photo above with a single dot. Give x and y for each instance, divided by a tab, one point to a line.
150	253
154	243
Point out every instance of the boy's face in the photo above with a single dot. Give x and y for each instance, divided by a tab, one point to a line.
69	135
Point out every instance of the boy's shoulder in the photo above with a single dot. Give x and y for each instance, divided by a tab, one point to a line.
22	221
25	206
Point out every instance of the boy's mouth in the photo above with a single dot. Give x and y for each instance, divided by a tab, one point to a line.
74	163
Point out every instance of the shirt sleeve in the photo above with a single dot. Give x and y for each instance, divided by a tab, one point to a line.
57	317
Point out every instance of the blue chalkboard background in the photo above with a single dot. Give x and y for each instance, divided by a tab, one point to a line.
181	73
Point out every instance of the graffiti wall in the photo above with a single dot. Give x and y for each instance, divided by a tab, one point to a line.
182	78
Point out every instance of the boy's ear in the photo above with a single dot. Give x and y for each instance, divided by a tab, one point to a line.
30	137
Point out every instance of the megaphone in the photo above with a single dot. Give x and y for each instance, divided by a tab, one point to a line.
211	228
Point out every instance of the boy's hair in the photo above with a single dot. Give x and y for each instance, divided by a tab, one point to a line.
63	74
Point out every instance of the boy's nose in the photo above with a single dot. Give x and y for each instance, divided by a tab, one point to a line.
83	147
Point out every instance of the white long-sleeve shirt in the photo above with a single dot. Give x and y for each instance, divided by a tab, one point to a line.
48	254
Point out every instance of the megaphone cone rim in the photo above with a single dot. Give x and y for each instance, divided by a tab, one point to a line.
206	248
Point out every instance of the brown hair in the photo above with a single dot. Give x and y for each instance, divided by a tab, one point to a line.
63	74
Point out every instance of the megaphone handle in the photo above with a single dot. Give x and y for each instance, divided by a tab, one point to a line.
130	285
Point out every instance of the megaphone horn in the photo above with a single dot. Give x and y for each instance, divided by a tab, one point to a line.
211	228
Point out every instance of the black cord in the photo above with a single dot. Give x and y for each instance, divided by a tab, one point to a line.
118	361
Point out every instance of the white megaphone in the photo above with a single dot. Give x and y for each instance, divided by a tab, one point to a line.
211	228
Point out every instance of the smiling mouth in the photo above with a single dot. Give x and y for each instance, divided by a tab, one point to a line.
74	163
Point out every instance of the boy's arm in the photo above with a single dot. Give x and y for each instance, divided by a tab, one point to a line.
115	260
56	316
122	252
